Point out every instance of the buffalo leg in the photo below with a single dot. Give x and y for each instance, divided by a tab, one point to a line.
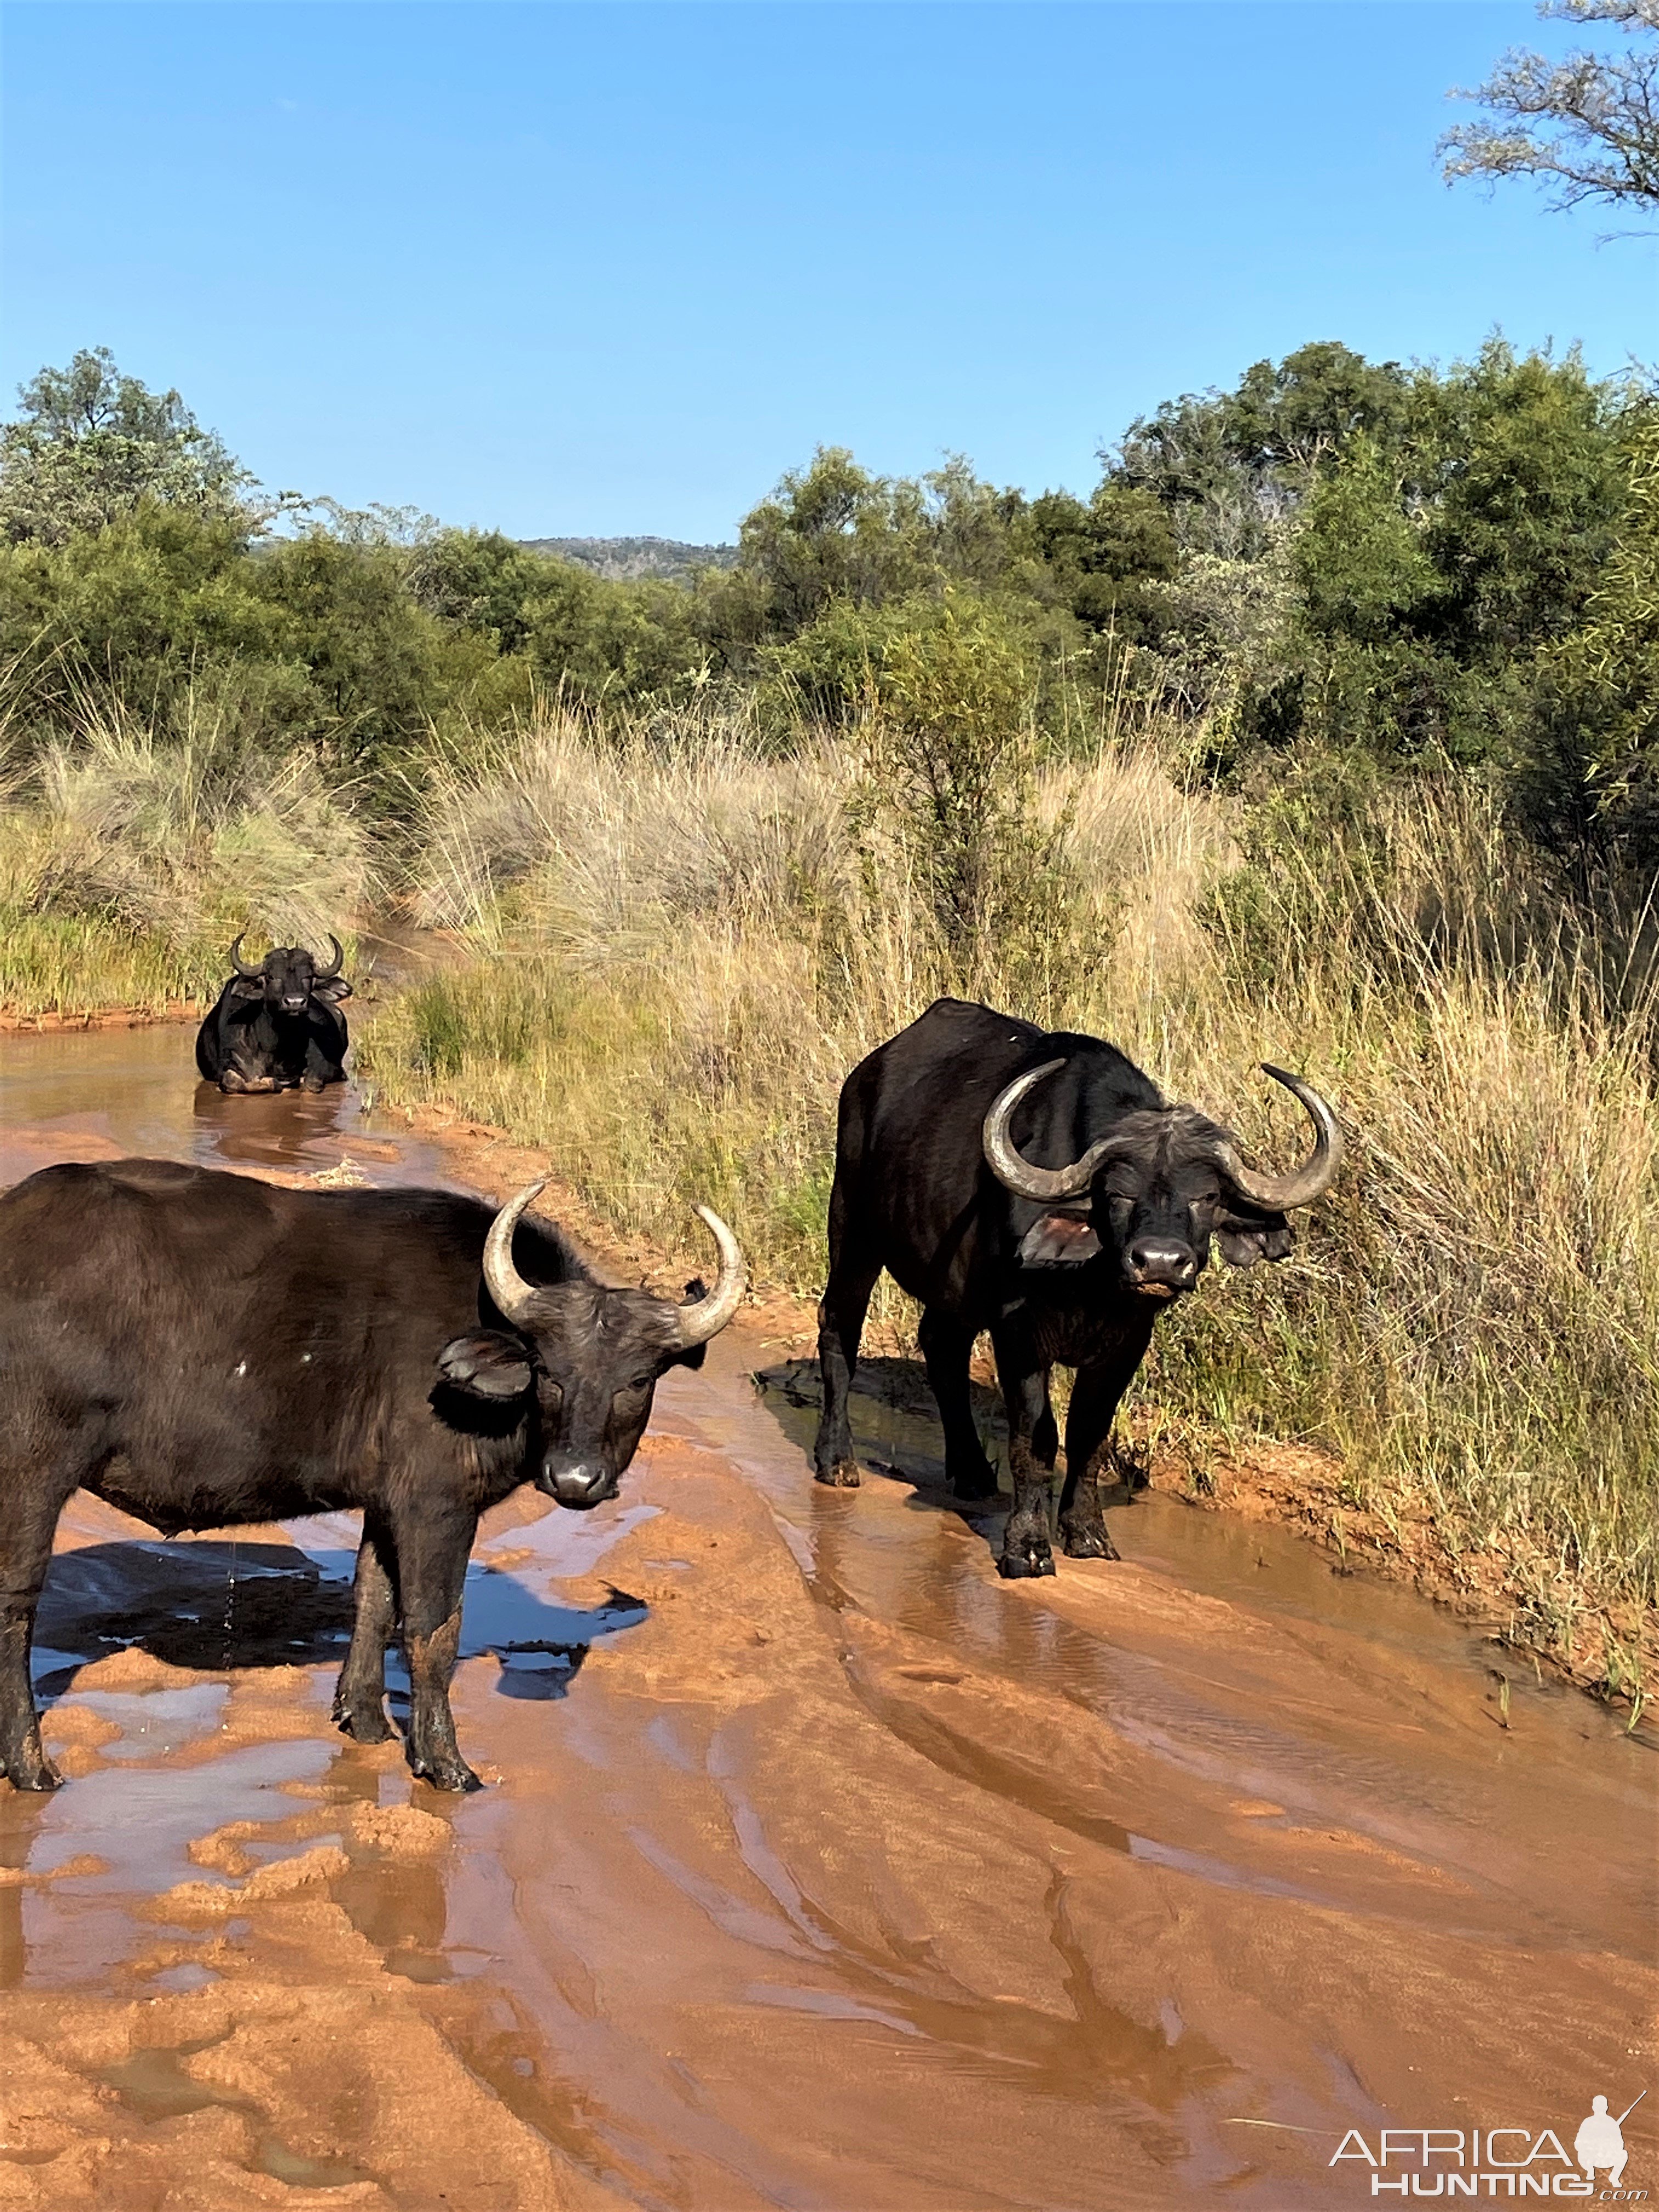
321	1068
947	1347
431	1571
25	1552
841	1324
359	1696
1095	1397
1025	1546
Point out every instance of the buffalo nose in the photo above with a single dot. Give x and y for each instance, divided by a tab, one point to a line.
1159	1265
578	1486
291	1005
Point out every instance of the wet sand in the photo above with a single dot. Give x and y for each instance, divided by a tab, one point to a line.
819	1867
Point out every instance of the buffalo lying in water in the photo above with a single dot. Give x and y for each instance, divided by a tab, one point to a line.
1037	1185
205	1350
278	1026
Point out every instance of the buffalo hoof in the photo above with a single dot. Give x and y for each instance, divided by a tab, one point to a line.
1087	1540
843	1475
1024	1557
33	1771
363	1724
446	1773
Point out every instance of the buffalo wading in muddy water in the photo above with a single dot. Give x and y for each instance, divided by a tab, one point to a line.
1037	1185
278	1026
204	1350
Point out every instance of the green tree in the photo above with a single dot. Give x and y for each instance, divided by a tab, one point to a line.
829	532
480	580
948	789
1432	572
91	444
1103	560
632	640
375	659
1593	777
1228	467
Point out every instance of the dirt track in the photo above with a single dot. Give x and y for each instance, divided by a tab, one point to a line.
818	1867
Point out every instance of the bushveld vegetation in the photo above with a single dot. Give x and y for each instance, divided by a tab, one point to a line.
1322	730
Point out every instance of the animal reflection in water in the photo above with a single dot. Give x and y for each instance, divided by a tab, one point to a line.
210	1607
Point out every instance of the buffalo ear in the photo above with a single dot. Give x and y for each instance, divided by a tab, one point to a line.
488	1366
247	986
1244	1238
1058	1240
332	990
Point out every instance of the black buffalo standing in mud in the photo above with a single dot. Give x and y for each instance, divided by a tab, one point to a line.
278	1026
202	1350
1061	1222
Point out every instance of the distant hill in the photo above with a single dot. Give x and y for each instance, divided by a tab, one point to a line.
625	558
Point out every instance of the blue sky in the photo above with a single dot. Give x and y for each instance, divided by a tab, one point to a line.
567	269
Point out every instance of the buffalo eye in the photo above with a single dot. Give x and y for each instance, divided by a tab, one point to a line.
634	1398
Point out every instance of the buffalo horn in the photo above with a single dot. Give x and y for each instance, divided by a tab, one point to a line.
514	1298
1317	1173
1017	1175
709	1315
236	959
327	974
513	1295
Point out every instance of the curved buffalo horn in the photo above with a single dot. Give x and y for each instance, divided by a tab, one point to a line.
1017	1175
709	1315
1317	1173
512	1294
327	974
236	959
696	1323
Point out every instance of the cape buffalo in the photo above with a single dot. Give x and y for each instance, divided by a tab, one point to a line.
1037	1185
278	1026
203	1350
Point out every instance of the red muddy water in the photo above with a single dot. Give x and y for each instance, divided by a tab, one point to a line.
819	1867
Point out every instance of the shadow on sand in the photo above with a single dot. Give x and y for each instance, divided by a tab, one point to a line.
896	1434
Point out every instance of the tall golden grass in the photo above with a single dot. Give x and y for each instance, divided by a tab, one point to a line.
130	856
679	946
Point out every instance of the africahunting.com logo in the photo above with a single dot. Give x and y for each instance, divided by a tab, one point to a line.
1454	2162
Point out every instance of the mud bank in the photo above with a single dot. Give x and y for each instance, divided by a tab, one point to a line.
14	1022
817	1867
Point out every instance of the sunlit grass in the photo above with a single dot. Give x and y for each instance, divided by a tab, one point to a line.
130	857
679	955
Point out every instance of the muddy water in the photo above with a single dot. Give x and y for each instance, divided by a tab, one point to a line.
114	1094
817	1867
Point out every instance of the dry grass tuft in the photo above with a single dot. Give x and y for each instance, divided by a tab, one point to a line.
129	858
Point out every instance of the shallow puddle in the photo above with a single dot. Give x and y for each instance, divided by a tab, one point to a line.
818	1867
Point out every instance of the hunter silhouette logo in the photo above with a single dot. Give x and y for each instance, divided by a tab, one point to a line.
1509	2162
1600	2142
